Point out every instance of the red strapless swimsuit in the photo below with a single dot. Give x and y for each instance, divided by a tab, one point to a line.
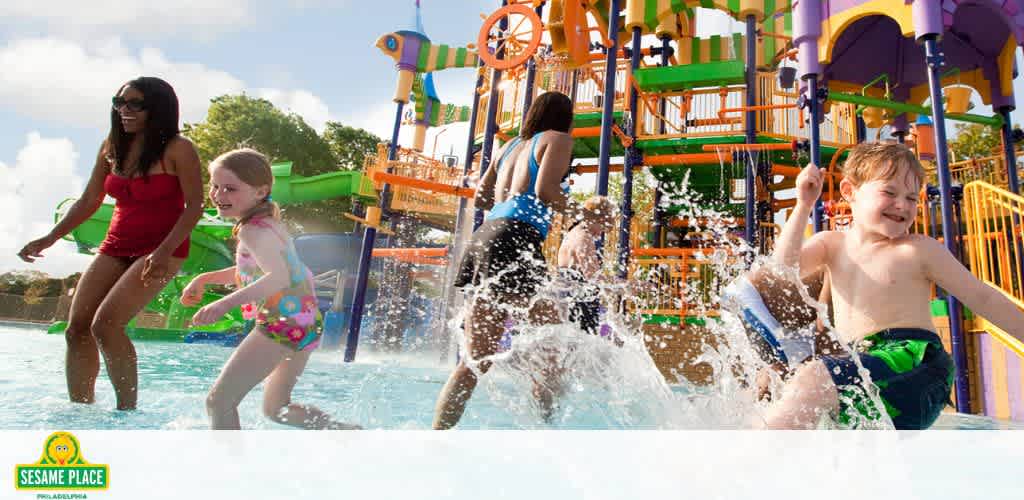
147	209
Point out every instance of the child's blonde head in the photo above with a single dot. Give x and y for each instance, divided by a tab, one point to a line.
871	161
598	210
597	207
252	168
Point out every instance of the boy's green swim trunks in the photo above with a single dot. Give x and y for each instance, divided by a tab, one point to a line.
912	371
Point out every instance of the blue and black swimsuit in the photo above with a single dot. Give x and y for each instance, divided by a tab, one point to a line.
506	250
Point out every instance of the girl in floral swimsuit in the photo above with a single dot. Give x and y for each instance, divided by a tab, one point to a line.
274	288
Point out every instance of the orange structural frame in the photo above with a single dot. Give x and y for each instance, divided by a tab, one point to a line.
436	187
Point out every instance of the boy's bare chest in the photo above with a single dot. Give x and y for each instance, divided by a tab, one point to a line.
876	273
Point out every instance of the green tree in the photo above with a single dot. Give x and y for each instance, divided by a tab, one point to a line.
13	283
973	140
43	287
350	145
235	121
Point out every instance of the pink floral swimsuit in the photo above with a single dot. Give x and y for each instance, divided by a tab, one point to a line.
291	316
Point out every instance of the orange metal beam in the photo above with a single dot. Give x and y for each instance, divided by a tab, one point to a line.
681	159
592	169
436	187
670	252
788	171
701	221
760	107
410	252
586	132
749	147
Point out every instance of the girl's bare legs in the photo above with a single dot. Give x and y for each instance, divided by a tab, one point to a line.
253	360
82	362
483	332
807	396
277	398
128	296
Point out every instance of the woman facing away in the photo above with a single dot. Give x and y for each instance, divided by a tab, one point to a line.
522	190
153	174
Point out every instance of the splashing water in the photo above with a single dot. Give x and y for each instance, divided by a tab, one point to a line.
615	380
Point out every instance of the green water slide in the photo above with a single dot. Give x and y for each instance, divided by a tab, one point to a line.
294	188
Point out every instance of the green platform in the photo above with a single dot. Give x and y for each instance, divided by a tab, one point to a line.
690	76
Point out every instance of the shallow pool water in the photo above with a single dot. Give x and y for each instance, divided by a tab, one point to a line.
378	391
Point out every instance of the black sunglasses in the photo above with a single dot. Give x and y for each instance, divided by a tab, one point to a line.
133	104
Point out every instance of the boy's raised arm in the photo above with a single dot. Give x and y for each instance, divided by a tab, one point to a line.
790	249
942	268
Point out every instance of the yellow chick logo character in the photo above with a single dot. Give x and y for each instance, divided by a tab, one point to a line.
61	448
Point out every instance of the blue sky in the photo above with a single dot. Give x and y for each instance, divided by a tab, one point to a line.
63	62
63	59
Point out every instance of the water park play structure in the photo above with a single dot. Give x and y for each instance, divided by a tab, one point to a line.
736	116
733	118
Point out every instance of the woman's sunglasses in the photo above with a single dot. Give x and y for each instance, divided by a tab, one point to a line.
133	104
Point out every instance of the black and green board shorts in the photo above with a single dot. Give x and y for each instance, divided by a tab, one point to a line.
910	368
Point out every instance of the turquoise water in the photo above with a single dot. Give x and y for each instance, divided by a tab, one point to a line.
378	391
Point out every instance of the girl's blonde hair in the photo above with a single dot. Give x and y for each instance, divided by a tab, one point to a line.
252	168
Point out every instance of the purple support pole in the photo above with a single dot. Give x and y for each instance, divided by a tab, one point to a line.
572	85
862	130
813	106
934	59
369	234
1008	153
608	107
491	125
531	73
750	158
657	224
1012	179
466	166
627	164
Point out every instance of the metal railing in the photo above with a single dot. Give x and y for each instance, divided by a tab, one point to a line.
409	163
690	113
990	169
838	127
994	237
675	281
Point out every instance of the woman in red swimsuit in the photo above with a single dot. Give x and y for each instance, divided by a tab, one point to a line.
154	174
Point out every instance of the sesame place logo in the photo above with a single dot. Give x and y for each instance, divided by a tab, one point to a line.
61	467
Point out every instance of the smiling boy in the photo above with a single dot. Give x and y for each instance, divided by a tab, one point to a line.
881	278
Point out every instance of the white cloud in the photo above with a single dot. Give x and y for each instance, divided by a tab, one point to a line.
64	82
377	118
200	18
310	107
41	176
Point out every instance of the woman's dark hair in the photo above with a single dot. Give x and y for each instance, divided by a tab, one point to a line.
161	104
549	111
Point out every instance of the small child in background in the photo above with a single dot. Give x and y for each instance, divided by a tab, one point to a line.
579	264
274	288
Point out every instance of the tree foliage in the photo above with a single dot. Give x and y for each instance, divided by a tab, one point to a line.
235	121
350	145
973	140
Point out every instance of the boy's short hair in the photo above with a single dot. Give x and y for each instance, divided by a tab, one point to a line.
869	161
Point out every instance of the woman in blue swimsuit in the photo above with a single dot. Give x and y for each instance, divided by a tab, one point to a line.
522	190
